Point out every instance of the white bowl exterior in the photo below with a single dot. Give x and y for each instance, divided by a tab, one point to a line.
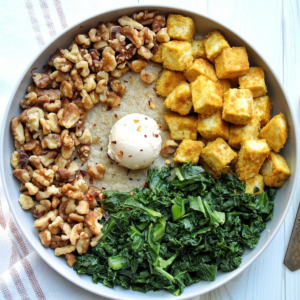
25	219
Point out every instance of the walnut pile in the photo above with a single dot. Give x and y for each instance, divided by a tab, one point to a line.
51	128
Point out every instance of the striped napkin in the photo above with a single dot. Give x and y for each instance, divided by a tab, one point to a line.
26	26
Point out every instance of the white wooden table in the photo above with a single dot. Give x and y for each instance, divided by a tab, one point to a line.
273	27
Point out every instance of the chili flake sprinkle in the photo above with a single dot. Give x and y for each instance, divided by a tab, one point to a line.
145	135
116	115
114	142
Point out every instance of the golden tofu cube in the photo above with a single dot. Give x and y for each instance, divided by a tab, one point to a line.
200	67
215	173
255	182
232	62
206	96
251	157
240	133
238	106
177	55
254	80
263	109
187	151
181	127
181	28
213	126
180	99
167	81
198	49
214	44
157	56
218	154
224	86
275	170
275	132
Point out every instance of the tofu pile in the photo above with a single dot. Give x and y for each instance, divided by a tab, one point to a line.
235	125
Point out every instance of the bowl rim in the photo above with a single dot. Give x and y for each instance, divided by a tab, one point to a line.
142	7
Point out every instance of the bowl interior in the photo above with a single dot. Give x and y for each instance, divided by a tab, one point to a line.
25	219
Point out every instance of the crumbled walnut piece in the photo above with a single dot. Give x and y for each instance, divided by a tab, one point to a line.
71	259
83	68
26	202
35	161
27	134
84	152
64	250
94	37
133	35
147	77
101	85
137	65
15	160
39	211
43	222
32	189
40	101
83	243
96	171
57	242
159	22
82	207
146	53
60	161
91	221
73	167
66	229
54	227
102	75
63	175
117	87
74	55
78	84
53	107
93	191
104	32
50	191
75	232
162	36
70	116
34	115
22	175
95	240
109	62
126	21
145	17
17	130
87	102
75	139
48	158
81	185
66	89
86	137
100	45
117	45
45	237
60	63
23	158
113	99
53	123
45	126
126	54
29	100
83	40
41	80
51	141
72	192
168	148
119	72
44	176
148	36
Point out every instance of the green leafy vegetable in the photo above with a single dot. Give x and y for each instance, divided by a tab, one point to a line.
176	232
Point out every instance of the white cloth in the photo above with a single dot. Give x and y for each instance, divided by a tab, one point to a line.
25	27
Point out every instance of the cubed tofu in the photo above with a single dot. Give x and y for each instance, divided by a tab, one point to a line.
254	80
180	99
275	132
275	170
181	28
187	151
238	106
263	109
224	86
200	67
213	126
177	55
251	157
167	81
215	173
218	154
181	127
206	96
232	62
198	49
253	183
157	56
240	133
214	44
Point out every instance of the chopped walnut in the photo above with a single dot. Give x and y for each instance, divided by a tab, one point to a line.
75	232
126	54
57	242
147	77
91	221
48	158
53	123
73	167
81	185
109	62
82	207
63	175
41	80
32	189
100	45
46	127
44	176
126	21
26	202
64	250
54	227
66	89
83	40
74	55
146	53
104	32
93	192
84	152
29	100
137	65
113	99
168	148
117	87
96	171
162	36
28	135
101	85
119	72
83	243
66	229
23	158
39	211
45	237
117	45
75	218
83	68
53	107
15	160
158	23
60	63
43	222
145	17
22	175
89	83
17	130
70	116
87	102
60	161
50	191
51	141
95	240
71	259
86	137
72	192
133	35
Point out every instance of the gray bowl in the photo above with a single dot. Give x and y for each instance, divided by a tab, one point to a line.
25	219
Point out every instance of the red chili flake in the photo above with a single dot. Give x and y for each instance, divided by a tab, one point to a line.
117	163
149	102
125	81
95	125
146	184
101	148
82	164
91	180
119	104
151	99
156	135
130	178
89	197
116	115
141	150
128	171
108	108
145	135
130	155
154	89
114	142
146	118
83	173
128	209
103	188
